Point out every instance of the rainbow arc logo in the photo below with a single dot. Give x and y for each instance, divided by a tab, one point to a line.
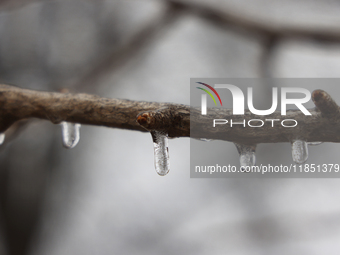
208	92
204	97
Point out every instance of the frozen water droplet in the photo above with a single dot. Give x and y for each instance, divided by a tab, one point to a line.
299	151
314	143
2	138
205	139
247	154
70	133
161	150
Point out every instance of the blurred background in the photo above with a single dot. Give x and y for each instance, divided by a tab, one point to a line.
104	196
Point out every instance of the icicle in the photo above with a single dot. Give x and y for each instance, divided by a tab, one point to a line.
70	133
2	138
314	143
299	151
161	150
247	155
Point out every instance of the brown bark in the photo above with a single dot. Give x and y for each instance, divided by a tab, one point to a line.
175	119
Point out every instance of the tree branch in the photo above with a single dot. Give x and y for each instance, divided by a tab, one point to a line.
258	26
174	119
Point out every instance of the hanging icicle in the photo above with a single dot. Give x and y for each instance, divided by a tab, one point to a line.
2	138
161	151
299	151
70	133
247	154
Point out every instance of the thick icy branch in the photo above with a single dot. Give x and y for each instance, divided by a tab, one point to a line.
174	119
17	104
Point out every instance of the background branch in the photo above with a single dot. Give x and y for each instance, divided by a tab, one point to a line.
258	26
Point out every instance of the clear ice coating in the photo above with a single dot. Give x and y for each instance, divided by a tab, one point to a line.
2	138
299	151
70	133
247	154
161	150
314	143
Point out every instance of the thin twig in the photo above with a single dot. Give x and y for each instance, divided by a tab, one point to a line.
257	25
118	56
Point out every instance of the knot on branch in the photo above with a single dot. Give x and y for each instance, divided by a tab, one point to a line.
327	106
55	118
161	120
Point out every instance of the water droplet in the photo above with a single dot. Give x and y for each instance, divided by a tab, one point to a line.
205	139
314	143
161	150
247	154
70	133
299	151
2	138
